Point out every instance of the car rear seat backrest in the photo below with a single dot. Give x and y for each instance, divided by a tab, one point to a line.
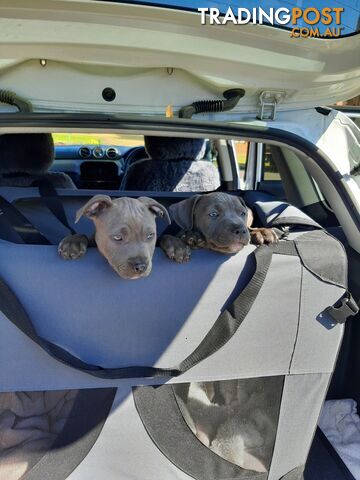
29	202
25	159
175	165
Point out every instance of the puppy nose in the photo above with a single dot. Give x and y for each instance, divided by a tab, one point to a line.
239	230
139	266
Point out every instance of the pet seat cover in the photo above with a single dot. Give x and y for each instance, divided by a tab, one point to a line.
214	369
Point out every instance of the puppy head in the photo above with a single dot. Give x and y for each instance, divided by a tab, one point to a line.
125	231
223	219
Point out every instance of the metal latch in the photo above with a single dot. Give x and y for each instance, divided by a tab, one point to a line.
345	307
268	100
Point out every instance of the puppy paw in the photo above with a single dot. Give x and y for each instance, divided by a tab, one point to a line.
175	249
73	246
261	236
193	238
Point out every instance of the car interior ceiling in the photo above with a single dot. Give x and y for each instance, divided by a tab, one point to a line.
166	166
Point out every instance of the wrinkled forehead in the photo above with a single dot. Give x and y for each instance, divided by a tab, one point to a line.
223	201
129	211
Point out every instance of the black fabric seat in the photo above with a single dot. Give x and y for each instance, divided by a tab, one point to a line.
25	159
175	165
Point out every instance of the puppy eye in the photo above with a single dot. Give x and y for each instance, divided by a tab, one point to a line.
213	214
243	214
118	238
149	236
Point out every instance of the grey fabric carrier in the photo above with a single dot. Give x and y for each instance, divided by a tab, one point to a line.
239	394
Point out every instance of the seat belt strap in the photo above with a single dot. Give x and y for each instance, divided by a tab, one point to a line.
25	232
53	202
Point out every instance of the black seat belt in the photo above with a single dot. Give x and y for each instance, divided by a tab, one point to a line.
14	221
53	202
20	228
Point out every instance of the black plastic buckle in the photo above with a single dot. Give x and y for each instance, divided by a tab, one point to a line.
345	307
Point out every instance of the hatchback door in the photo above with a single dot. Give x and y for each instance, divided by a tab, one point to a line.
153	57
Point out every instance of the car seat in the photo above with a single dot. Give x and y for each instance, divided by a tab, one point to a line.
175	164
25	159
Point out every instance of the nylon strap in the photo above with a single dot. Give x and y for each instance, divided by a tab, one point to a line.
25	232
230	320
53	202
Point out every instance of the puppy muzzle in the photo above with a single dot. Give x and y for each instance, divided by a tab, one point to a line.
231	239
133	269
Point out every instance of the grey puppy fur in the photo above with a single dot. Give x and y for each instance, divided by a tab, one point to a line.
216	221
125	233
234	418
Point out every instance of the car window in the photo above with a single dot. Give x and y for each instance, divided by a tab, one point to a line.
241	148
268	176
269	169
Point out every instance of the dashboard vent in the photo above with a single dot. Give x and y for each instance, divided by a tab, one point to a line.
98	152
112	153
85	152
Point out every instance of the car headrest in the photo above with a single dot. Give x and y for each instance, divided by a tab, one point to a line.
170	148
31	153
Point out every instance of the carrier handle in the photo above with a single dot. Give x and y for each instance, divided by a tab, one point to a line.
219	334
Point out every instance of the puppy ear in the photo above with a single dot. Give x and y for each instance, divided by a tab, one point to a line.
242	201
94	206
250	215
250	218
156	208
183	212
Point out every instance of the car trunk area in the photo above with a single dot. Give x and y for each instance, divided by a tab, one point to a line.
290	376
